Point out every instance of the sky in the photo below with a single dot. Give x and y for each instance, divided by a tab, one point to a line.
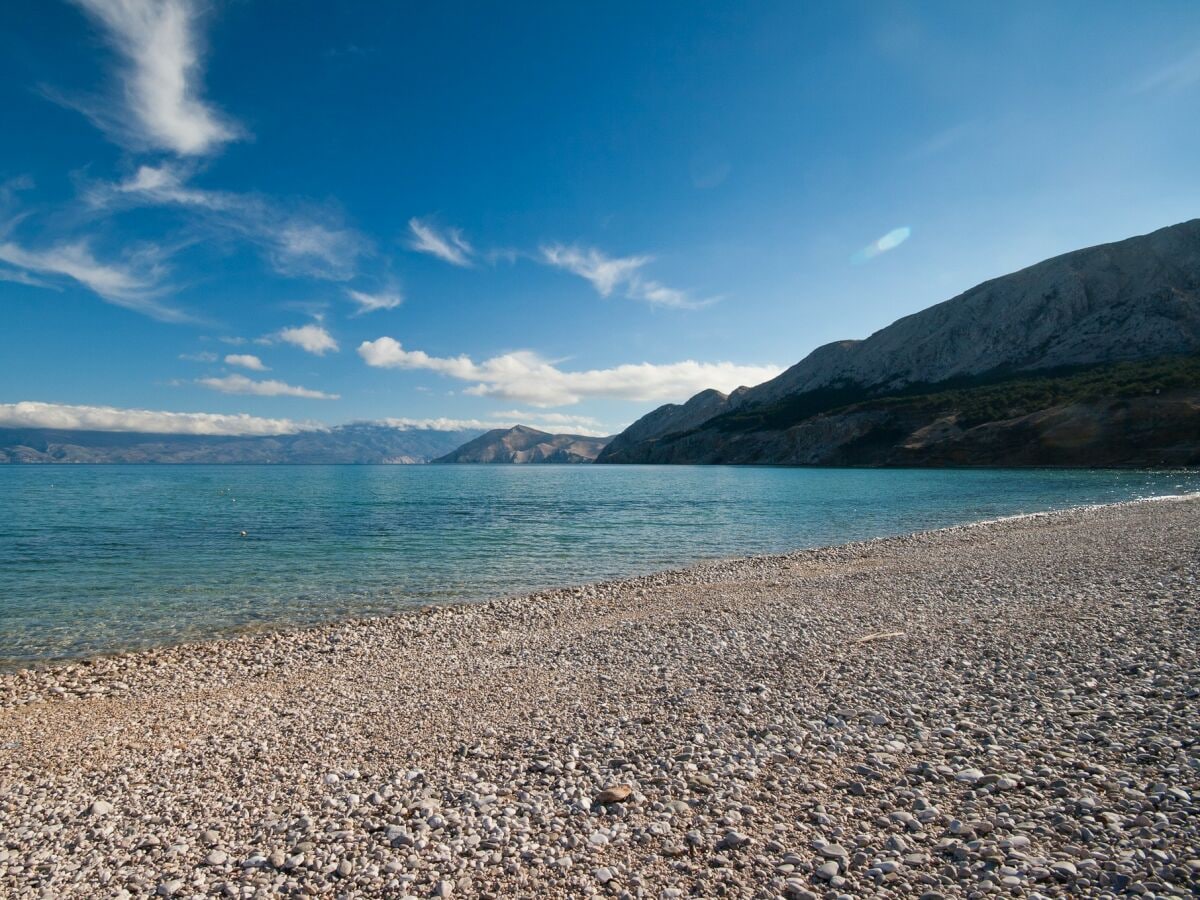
253	217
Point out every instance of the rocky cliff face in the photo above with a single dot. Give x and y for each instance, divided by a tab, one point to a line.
1135	299
521	444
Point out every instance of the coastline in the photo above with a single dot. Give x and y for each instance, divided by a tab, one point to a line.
768	713
100	668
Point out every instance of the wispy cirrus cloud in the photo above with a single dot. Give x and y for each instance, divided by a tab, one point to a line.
1179	74
202	357
311	338
607	273
368	302
604	272
296	241
246	361
526	377
34	414
447	244
160	104
134	282
240	384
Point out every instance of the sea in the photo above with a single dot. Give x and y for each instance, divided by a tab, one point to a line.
100	559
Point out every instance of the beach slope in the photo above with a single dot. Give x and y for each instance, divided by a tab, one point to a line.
1004	709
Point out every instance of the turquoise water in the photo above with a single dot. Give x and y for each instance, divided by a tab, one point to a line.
100	558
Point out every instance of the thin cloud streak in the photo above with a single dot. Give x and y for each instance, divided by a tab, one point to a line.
374	302
34	414
1178	75
134	283
448	244
240	384
162	104
296	243
526	377
542	422
606	274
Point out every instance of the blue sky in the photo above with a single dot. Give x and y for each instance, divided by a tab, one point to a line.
281	212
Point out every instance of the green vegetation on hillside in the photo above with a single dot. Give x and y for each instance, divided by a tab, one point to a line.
980	399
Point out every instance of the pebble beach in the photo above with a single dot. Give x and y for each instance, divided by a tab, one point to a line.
1008	709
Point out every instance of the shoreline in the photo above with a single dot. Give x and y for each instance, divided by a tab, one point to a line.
1003	707
12	672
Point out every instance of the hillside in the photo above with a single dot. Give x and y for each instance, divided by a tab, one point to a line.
521	444
1137	299
349	444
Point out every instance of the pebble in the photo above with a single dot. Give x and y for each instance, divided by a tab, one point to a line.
997	710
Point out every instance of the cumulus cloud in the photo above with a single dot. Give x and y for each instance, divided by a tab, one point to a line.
528	378
246	361
607	273
31	414
447	244
162	105
372	302
312	338
240	384
134	282
296	241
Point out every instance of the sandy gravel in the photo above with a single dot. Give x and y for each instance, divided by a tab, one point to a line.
1005	709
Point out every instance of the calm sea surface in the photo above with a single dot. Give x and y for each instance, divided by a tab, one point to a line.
100	558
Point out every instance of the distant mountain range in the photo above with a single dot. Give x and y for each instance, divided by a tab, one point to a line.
1089	358
360	443
522	444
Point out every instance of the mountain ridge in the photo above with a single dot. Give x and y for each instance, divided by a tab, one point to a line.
1133	299
354	444
524	445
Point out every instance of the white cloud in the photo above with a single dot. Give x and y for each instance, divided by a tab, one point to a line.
527	378
240	384
448	245
17	277
246	361
373	302
657	294
556	418
604	272
31	414
540	421
202	357
161	79
607	273
296	241
312	338
133	283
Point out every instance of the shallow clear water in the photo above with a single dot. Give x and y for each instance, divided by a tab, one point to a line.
101	558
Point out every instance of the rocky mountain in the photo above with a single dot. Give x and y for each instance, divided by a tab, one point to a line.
357	443
1137	299
521	444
